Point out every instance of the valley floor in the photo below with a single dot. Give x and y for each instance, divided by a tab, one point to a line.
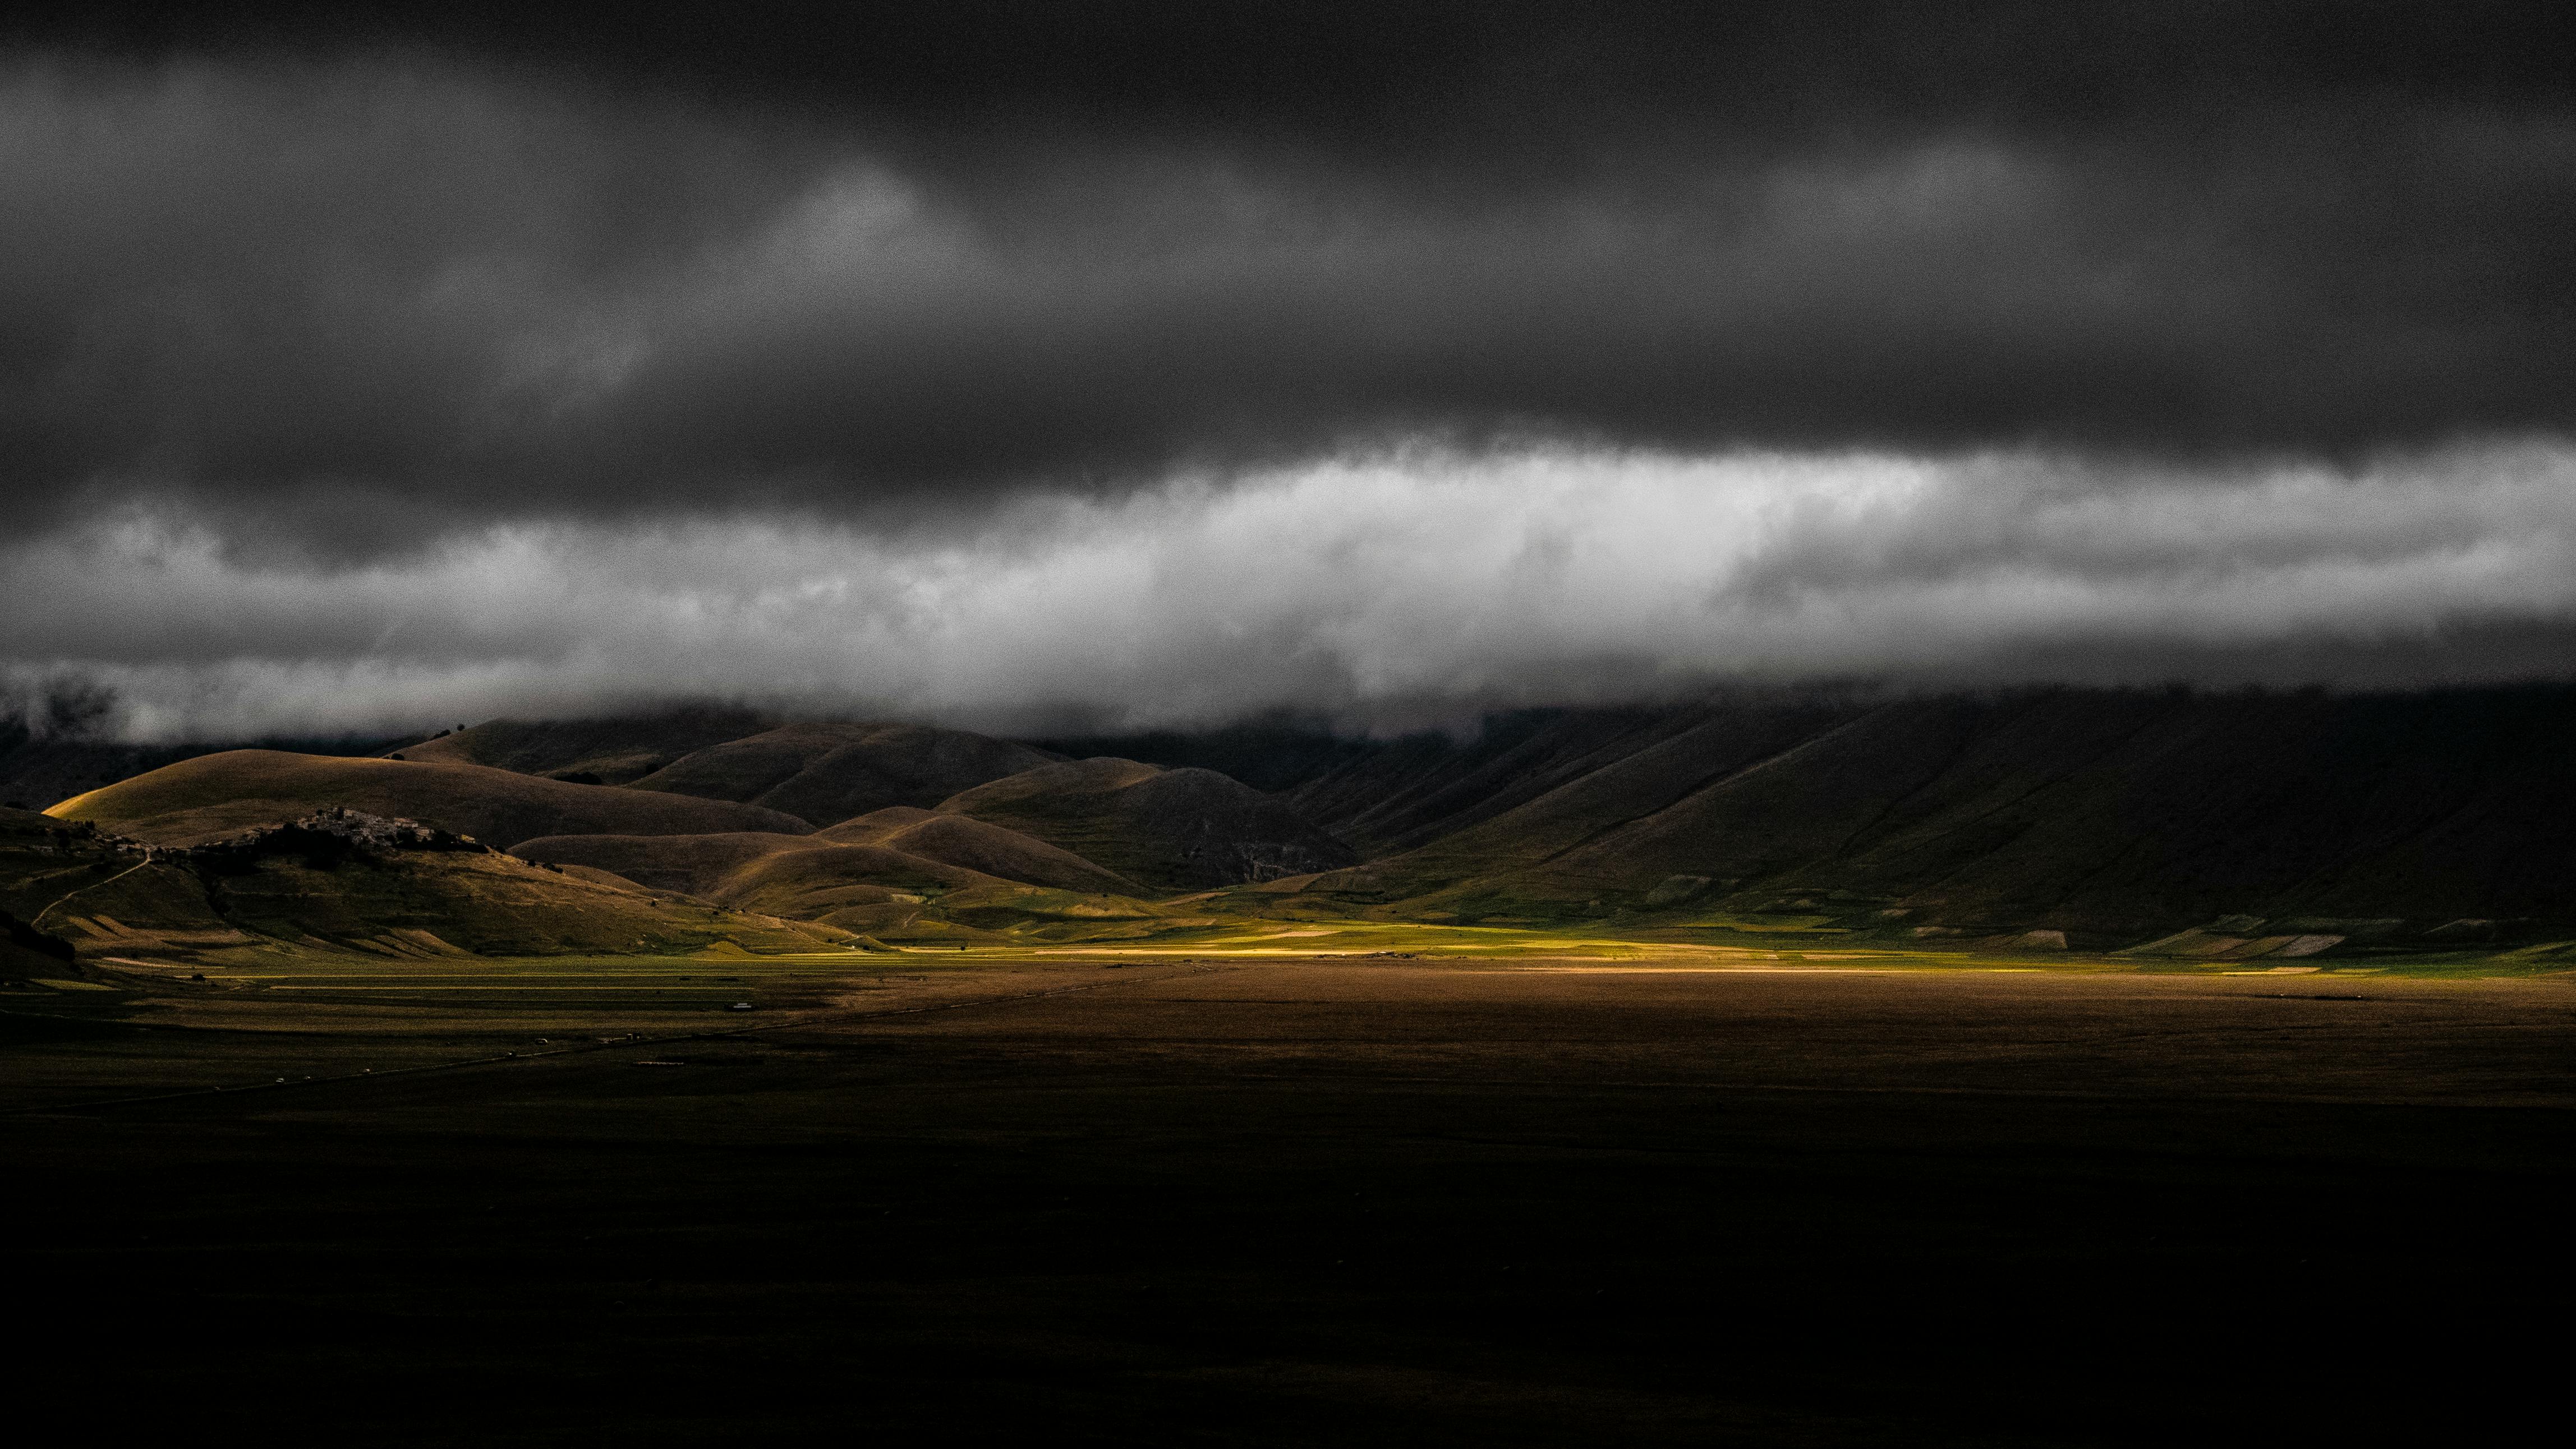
1244	1198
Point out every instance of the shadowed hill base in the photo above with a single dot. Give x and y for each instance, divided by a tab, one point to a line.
27	953
1172	830
215	796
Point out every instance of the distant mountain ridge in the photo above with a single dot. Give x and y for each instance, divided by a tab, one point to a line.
2100	812
2095	818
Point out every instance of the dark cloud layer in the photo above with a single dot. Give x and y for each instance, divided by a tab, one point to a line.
362	280
1160	363
1487	76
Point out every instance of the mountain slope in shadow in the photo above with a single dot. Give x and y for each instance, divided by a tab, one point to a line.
827	771
2092	811
1168	830
610	750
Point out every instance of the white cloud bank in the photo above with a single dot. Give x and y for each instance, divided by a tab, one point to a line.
1392	588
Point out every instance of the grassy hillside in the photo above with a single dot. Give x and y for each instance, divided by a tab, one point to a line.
1384	797
1172	830
901	848
871	884
2175	823
827	771
611	751
36	771
730	868
979	845
819	881
426	905
214	796
107	896
1669	764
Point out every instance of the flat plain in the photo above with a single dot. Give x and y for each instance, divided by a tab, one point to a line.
1244	1197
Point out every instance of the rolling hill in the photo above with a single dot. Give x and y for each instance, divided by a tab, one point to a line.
2103	818
290	889
829	771
1169	830
214	796
979	845
898	848
820	771
615	750
38	769
865	880
785	875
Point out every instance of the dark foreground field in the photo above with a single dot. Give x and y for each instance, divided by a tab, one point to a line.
1308	1202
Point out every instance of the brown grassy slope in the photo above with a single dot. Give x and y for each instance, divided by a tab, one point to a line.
829	771
688	863
62	878
896	849
785	875
618	750
214	796
108	901
485	904
1168	830
896	896
979	845
815	882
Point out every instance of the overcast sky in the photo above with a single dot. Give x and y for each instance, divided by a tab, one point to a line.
1156	363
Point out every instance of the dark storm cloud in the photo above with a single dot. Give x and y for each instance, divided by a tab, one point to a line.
489	261
1156	363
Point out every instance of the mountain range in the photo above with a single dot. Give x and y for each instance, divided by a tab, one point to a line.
2098	819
